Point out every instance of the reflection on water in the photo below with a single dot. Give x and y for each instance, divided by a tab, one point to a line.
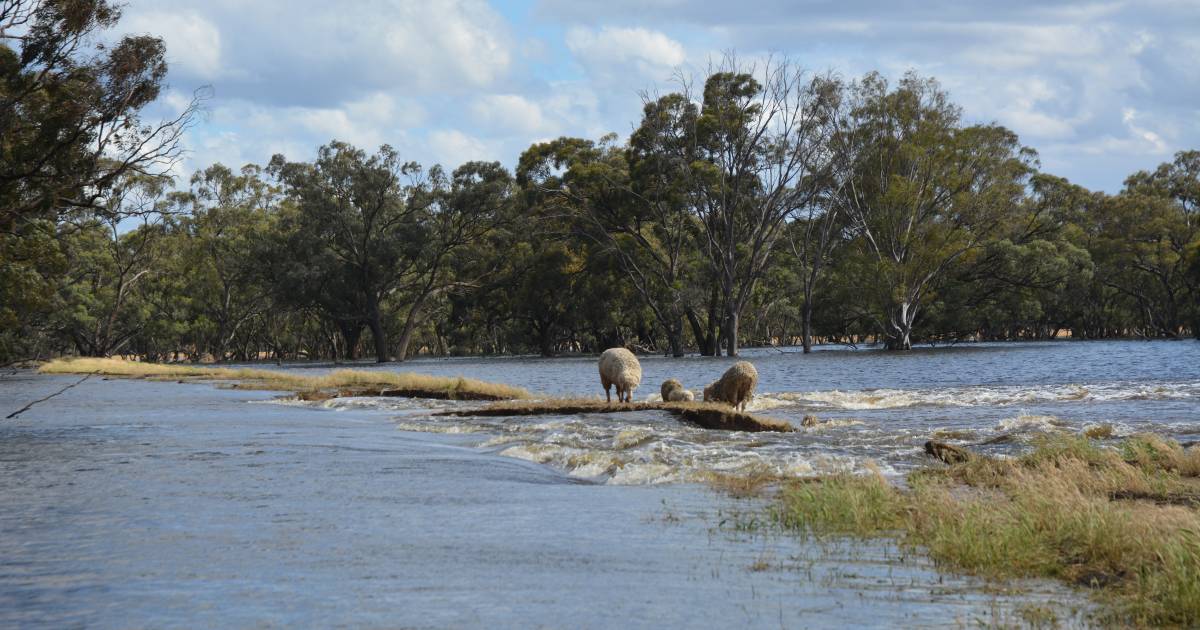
872	405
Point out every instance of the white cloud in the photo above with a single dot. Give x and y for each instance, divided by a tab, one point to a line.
506	113
193	42
463	36
1100	87
613	50
451	148
306	49
242	132
1148	140
1023	107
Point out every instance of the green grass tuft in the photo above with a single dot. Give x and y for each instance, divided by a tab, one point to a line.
1123	521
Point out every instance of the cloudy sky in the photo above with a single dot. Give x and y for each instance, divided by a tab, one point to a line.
1100	89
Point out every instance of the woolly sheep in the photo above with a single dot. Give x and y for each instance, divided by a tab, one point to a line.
673	391
735	387
619	367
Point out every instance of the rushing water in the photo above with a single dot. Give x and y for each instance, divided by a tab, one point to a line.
148	504
872	405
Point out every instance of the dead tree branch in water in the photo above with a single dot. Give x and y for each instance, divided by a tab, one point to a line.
42	400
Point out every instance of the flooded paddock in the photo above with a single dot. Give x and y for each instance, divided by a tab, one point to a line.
151	504
871	405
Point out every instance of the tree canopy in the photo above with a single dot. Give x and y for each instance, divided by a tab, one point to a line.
770	206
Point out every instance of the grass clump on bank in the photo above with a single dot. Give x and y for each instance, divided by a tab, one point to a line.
707	415
1125	521
312	387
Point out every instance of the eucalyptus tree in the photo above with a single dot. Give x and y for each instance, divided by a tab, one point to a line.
100	310
457	214
226	218
70	130
1156	225
371	239
70	124
927	190
757	153
1143	246
548	260
356	223
630	202
1030	279
813	238
819	228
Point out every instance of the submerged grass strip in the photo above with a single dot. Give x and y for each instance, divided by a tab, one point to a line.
339	382
1118	520
707	415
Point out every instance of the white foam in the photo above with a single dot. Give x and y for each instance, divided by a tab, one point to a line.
432	428
999	395
1027	422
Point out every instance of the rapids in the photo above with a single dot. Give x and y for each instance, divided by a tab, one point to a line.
875	408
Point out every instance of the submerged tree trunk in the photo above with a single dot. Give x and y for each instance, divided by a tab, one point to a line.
714	322
675	338
375	322
900	322
546	342
806	326
731	331
410	326
351	333
704	340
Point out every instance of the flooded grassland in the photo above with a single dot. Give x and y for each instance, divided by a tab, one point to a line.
159	504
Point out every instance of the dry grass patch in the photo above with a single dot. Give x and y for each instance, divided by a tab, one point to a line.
1105	518
706	415
310	387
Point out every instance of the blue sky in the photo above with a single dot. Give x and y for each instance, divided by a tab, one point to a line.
1100	89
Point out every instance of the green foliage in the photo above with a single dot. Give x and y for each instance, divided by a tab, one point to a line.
771	207
70	134
927	192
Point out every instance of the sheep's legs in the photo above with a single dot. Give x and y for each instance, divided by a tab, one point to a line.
608	394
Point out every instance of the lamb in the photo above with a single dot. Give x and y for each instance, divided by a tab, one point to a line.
619	367
673	391
735	387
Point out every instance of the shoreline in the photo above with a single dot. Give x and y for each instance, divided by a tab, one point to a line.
1119	521
755	350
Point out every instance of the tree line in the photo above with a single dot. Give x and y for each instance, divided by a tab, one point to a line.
767	205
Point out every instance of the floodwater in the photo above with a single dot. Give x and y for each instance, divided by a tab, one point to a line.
872	406
148	504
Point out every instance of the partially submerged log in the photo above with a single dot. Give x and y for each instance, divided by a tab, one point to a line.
947	453
708	416
728	420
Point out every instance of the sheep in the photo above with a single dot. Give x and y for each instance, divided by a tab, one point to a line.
735	387
619	367
682	395
673	391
